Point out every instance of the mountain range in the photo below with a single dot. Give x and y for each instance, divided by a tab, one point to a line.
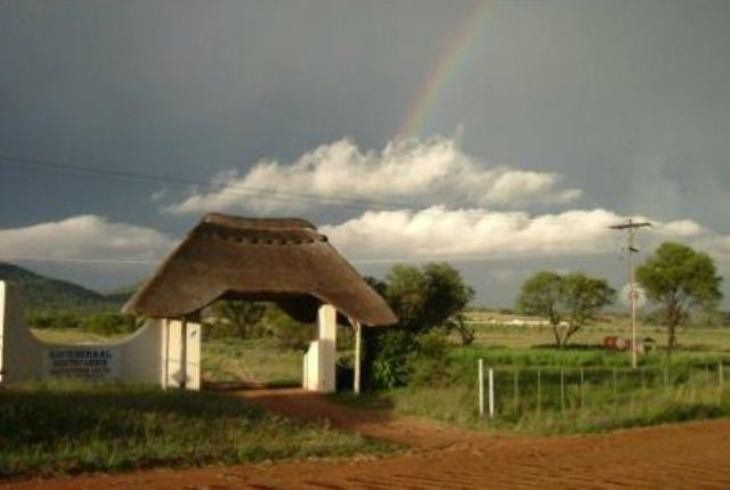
40	292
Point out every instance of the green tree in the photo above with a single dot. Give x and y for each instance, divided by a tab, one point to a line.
233	318
424	299
582	298
573	299
541	296
681	280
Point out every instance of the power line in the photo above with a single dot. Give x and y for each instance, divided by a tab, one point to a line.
82	260
363	261
269	193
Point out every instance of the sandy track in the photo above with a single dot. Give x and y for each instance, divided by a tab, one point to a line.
691	455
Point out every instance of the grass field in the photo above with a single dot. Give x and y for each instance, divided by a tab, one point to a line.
253	360
495	330
611	395
592	391
69	428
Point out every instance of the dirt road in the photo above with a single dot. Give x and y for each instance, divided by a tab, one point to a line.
691	455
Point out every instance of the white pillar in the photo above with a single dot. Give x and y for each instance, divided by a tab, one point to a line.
358	356
327	326
319	373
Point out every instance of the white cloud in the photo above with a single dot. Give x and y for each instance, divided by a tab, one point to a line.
438	232
412	171
83	237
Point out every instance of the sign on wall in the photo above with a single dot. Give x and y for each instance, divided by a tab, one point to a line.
93	362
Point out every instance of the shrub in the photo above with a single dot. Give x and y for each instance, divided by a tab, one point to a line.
423	299
429	364
386	358
55	319
344	372
110	324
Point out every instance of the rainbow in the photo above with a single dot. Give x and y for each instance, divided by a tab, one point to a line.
449	61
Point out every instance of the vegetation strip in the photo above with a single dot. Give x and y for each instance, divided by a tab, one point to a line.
67	428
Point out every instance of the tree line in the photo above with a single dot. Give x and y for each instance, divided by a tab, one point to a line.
677	279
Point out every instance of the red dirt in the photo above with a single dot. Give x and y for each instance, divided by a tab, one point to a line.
690	455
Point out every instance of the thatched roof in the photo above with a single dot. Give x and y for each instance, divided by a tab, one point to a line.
282	260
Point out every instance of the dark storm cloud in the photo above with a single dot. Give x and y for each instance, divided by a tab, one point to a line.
627	100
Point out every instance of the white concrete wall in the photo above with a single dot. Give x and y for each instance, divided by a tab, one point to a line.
318	372
155	354
21	356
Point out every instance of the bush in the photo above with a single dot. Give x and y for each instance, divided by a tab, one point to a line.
344	372
386	358
429	364
110	324
55	319
433	296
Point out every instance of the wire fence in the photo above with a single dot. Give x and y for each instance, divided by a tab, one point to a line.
510	393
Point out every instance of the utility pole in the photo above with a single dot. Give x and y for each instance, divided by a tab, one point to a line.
631	228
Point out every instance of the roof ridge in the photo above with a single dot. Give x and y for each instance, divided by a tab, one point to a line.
244	222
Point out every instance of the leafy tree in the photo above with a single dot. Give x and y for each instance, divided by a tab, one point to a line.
582	298
424	299
541	295
232	318
573	299
681	280
447	297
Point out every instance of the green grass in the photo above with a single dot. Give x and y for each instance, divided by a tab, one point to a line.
253	360
638	398
73	336
64	428
598	407
511	348
707	339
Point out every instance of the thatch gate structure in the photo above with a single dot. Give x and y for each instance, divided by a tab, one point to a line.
285	261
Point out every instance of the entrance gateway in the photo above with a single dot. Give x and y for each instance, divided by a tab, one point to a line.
285	261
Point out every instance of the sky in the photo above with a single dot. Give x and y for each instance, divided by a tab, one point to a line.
502	137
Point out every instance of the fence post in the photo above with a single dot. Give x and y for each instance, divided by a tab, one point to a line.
720	374
491	393
481	387
517	391
562	390
539	392
643	381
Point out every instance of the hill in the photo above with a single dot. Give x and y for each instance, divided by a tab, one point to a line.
45	293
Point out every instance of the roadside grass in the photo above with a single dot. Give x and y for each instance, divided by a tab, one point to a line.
686	387
68	427
594	408
638	398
